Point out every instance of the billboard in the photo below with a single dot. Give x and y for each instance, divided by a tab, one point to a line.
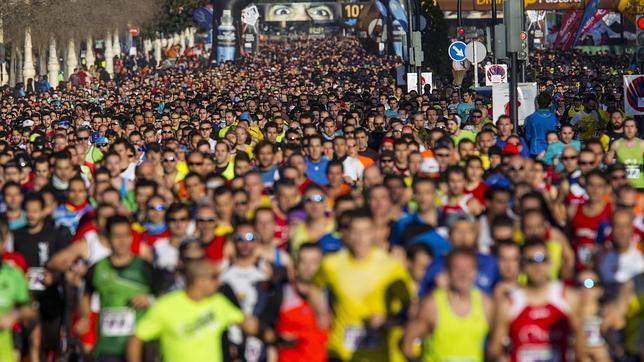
318	12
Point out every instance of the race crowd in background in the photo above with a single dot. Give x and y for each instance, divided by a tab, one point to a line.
298	205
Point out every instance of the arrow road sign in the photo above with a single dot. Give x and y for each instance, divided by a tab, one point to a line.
456	51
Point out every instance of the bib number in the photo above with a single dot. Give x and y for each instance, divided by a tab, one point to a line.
117	322
352	336
537	354
253	351
633	172
36	276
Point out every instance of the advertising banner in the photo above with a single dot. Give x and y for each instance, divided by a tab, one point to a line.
526	95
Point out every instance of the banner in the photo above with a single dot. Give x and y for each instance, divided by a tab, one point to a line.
412	81
300	11
589	11
593	21
526	95
565	35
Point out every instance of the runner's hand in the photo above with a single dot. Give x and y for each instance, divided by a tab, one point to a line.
82	325
140	301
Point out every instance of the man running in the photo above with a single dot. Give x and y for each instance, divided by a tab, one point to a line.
540	319
189	323
457	317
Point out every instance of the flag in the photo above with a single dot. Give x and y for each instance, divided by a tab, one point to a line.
589	11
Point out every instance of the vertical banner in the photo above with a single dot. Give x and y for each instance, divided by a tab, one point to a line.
568	24
594	20
249	20
526	95
589	11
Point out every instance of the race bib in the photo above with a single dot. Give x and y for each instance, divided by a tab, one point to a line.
253	351
585	254
117	322
633	172
539	354
352	336
35	277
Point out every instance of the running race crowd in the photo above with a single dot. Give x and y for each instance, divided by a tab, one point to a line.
297	205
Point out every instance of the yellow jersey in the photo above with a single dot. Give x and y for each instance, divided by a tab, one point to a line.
360	289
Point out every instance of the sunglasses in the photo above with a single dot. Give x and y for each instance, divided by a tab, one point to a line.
587	283
157	207
195	164
585	163
206	219
178	219
537	258
388	160
246	237
316	198
568	158
169	160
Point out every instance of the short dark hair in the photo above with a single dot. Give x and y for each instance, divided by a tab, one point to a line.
113	221
459	251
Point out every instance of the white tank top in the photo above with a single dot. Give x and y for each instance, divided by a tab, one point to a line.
243	281
96	250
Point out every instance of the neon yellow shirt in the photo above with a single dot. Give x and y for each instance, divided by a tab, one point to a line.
361	289
189	330
13	291
454	337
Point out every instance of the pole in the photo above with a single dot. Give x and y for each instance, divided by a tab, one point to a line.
459	12
419	70
475	66
494	19
513	90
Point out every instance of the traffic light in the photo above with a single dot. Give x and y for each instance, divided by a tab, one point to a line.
639	46
460	32
523	51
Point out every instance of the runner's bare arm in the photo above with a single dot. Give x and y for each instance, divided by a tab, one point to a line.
419	326
572	297
500	328
63	260
134	349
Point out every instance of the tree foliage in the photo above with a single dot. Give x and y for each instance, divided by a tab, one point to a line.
435	40
72	19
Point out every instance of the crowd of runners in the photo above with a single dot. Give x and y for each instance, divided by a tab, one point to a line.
299	205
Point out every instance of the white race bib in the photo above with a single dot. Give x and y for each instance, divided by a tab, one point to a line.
539	354
117	322
352	336
35	276
632	172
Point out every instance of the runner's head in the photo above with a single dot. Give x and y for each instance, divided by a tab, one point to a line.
201	277
461	269
360	234
119	234
535	262
630	128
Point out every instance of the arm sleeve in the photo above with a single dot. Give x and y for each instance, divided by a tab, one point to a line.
150	326
226	312
22	291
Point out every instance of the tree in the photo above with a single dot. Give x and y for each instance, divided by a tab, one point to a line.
435	41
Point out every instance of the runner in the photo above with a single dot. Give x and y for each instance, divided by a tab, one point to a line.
456	318
541	320
189	323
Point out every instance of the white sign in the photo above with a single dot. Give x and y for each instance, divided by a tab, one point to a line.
634	94
250	15
475	52
412	81
496	73
526	95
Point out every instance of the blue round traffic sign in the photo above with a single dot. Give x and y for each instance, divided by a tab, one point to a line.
456	51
